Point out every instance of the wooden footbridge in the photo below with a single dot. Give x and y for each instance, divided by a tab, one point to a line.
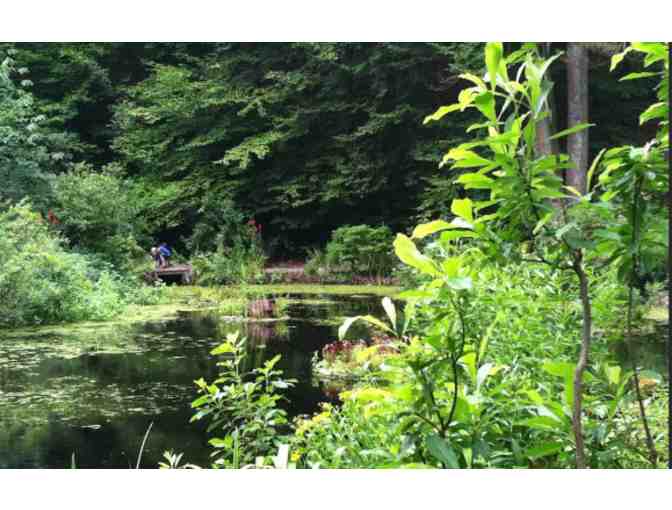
182	273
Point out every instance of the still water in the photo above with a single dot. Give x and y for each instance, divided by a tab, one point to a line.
93	391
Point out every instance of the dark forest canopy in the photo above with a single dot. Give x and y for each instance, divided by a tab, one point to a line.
302	137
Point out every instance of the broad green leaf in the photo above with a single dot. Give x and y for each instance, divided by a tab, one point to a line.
485	102
374	321
465	158
542	422
543	450
463	208
409	254
224	348
442	451
613	374
430	228
468	456
655	111
451	266
558	368
475	181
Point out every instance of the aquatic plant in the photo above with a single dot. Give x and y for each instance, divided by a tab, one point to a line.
241	406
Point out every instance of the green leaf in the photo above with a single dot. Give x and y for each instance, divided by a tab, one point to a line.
430	228
475	181
543	450
558	368
451	235
493	55
593	167
473	79
485	102
377	322
572	130
613	374
655	111
224	348
637	76
443	110
408	253
542	422
463	208
442	451
618	58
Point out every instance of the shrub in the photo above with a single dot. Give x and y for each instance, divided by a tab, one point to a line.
361	249
242	261
220	223
243	407
41	282
96	213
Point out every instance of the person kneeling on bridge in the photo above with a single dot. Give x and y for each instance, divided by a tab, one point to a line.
165	253
159	261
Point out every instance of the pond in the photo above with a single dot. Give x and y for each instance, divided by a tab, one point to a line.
92	390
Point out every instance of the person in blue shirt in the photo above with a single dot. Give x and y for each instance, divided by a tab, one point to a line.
166	253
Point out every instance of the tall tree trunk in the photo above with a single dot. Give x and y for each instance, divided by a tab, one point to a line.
577	113
546	127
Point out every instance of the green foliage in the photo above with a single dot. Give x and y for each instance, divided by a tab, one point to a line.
514	380
241	262
361	249
241	406
220	224
41	282
280	130
97	213
29	154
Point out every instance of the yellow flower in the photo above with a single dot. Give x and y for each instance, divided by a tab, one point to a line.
295	456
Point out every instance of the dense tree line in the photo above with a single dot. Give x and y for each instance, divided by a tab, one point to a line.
304	137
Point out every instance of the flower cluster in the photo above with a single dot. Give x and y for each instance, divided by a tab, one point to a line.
340	349
345	349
